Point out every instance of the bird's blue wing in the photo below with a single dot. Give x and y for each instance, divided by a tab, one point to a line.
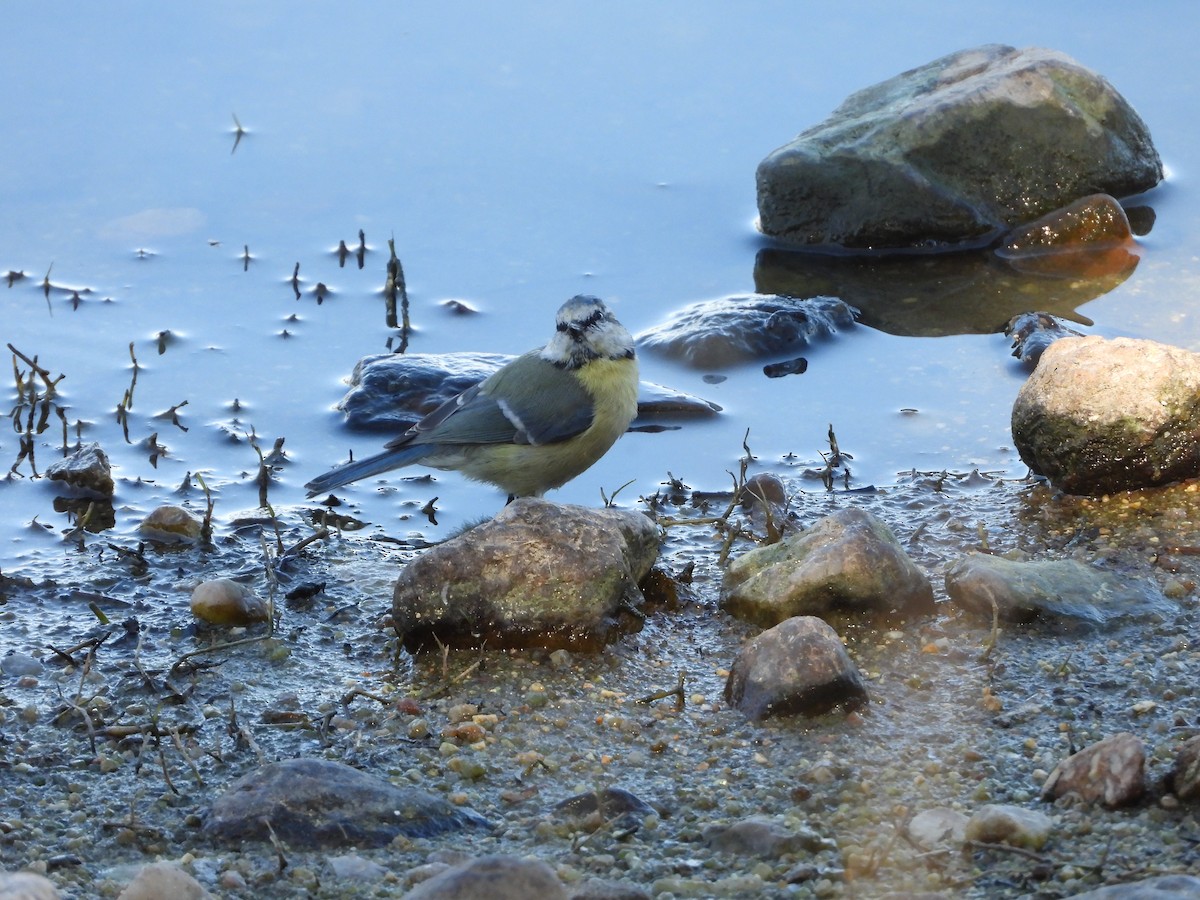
529	401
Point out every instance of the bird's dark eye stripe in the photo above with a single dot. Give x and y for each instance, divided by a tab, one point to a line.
577	326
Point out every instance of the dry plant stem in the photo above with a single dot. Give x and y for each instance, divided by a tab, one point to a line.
1006	848
206	525
241	734
186	757
43	374
676	692
359	692
321	534
994	635
162	761
608	501
83	714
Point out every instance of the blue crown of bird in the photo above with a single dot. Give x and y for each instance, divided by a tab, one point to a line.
534	424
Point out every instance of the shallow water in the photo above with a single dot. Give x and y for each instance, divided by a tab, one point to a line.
517	158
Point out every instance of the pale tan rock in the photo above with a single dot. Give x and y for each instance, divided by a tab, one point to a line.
226	602
1013	825
160	880
936	827
26	886
170	524
1098	416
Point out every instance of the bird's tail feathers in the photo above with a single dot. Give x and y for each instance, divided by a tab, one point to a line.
364	468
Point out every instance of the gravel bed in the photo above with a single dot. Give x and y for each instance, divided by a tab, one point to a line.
110	761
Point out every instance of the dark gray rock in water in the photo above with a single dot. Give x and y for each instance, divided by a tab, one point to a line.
798	667
86	471
492	878
1099	416
321	803
1033	332
1160	887
763	837
1064	591
956	151
540	574
743	328
1111	772
847	560
393	391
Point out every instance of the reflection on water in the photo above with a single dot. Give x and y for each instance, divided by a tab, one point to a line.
954	293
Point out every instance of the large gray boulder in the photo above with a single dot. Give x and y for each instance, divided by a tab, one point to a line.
956	151
1099	416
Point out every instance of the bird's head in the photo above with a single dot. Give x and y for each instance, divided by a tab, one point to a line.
587	330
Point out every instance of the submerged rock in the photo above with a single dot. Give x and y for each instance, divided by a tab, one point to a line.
1033	332
762	837
1111	771
603	889
86	471
1160	887
1062	590
393	391
847	560
539	574
742	328
798	667
609	807
958	150
492	878
1099	416
315	803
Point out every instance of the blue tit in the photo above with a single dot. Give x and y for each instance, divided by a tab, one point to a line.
534	424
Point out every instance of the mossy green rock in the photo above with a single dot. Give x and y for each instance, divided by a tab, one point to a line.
847	560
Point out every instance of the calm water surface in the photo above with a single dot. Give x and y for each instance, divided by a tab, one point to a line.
518	154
